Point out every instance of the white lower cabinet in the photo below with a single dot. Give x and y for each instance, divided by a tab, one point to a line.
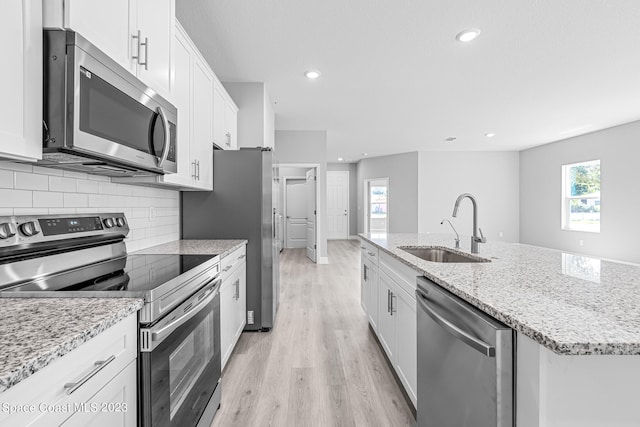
388	299
233	301
95	384
369	290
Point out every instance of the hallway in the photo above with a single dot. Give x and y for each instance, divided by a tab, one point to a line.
320	365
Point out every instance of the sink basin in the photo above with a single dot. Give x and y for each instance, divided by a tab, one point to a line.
441	255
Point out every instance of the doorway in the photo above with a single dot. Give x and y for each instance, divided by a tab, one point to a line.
295	212
338	205
376	205
300	203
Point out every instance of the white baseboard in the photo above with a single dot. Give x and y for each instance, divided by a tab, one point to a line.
323	260
354	238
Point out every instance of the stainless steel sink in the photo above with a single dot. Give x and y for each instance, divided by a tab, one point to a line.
436	254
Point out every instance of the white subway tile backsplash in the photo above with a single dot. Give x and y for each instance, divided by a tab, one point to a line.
24	167
33	190
78	175
61	183
108	188
47	171
31	181
47	199
86	186
75	200
60	211
16	198
6	178
30	211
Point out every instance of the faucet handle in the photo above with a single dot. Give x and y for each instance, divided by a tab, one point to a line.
481	239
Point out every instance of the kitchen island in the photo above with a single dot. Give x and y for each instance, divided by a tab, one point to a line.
576	318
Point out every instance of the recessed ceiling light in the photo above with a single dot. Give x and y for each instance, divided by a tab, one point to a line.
312	74
490	134
340	159
451	138
365	154
468	35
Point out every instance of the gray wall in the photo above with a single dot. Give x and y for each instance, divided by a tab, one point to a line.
402	171
352	168
308	146
255	115
492	177
618	149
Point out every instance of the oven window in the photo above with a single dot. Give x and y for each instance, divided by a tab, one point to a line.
109	113
188	361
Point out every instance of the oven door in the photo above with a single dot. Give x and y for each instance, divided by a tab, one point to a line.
117	116
180	361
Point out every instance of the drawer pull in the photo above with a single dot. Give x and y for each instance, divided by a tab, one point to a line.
241	256
227	268
371	253
99	365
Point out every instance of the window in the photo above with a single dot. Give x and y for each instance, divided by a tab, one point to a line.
581	196
377	214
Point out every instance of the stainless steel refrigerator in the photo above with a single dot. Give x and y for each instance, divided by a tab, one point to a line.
242	205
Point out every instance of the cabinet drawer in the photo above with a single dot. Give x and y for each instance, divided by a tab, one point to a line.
48	391
369	251
404	276
229	263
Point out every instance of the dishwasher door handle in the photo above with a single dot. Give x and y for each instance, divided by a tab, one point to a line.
472	342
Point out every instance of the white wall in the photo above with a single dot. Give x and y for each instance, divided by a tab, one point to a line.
255	116
618	149
308	146
402	171
33	190
492	177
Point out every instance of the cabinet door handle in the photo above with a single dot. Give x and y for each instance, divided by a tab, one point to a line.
146	53
136	37
198	170
388	301
99	365
393	309
237	294
365	273
228	135
193	170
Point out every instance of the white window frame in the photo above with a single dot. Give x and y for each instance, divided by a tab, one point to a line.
566	197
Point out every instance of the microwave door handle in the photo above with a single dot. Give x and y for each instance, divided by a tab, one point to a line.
167	136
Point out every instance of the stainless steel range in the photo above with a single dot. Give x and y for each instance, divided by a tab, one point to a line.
84	255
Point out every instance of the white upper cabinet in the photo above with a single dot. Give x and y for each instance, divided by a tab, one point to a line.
21	80
192	95
138	34
225	119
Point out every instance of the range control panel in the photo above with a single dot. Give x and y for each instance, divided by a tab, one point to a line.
15	230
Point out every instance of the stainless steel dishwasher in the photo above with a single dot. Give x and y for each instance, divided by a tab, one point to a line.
465	363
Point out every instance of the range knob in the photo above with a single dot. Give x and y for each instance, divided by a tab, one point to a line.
108	222
120	221
29	228
7	229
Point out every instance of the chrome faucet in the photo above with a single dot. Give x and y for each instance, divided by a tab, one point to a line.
457	239
474	239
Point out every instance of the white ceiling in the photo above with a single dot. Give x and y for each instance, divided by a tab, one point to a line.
394	79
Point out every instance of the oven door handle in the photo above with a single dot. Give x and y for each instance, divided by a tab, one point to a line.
165	331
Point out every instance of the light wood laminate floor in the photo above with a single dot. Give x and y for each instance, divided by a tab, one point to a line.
320	365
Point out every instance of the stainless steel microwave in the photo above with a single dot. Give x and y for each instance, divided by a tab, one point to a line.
98	117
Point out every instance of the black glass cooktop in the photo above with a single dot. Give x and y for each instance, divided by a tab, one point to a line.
133	273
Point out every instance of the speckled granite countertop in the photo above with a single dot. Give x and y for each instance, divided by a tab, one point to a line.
36	331
569	303
196	247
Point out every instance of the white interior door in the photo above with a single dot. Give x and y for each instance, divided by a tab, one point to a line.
338	205
311	214
296	212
